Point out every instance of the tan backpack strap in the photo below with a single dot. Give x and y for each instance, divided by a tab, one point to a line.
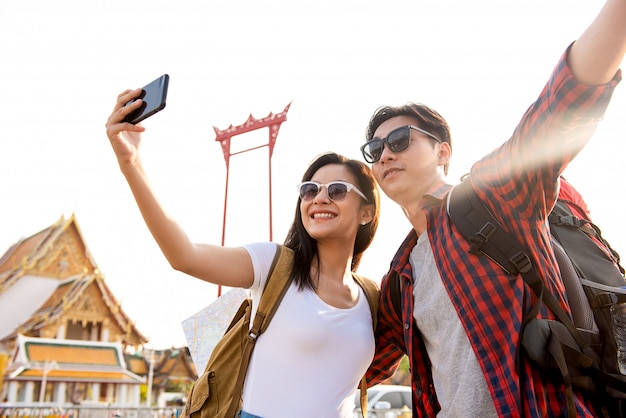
372	293
363	397
275	288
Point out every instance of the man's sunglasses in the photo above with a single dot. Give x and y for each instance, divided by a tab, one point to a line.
337	190
398	140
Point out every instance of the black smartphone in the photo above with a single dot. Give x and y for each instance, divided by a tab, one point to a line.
153	95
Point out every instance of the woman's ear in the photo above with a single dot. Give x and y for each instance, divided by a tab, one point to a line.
367	214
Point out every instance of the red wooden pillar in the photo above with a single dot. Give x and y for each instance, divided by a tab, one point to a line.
271	121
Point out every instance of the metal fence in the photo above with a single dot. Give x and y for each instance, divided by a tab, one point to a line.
89	412
138	412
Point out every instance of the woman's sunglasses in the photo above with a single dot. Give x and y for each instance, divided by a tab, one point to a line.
337	190
398	140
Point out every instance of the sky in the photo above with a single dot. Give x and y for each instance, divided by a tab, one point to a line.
480	64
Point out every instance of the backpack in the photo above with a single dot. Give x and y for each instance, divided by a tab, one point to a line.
217	392
583	349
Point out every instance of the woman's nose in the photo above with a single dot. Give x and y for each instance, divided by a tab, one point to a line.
322	195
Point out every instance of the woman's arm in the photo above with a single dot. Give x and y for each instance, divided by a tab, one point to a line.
216	264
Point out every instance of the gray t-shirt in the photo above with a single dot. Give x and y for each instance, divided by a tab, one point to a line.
459	382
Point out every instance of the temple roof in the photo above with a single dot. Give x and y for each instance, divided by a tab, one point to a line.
89	361
19	303
28	252
60	320
173	364
45	275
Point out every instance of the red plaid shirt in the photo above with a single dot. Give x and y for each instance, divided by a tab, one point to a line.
519	183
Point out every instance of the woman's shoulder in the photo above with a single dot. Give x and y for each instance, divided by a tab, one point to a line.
262	249
262	256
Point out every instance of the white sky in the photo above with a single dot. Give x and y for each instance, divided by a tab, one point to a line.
63	63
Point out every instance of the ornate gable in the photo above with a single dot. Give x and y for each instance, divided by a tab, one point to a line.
50	287
58	251
67	256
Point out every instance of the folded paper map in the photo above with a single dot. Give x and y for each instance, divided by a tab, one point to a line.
204	329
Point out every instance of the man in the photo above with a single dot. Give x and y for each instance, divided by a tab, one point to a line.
461	314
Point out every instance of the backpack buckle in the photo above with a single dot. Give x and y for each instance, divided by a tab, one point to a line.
521	261
604	300
486	231
570	220
476	242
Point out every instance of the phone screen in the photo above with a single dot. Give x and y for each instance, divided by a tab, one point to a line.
153	95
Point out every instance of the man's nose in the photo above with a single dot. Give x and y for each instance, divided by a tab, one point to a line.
386	154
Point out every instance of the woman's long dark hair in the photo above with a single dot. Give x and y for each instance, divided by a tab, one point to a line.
305	247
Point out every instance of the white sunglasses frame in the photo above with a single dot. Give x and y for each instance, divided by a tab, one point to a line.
349	186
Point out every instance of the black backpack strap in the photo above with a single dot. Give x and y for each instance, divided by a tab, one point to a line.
567	228
488	237
566	344
485	235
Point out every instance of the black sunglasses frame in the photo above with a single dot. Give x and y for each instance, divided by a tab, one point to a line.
398	144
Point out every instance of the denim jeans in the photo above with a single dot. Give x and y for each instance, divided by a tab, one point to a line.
244	414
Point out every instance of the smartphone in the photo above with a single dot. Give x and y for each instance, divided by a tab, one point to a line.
153	95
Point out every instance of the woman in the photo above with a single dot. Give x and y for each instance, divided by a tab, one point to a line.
320	342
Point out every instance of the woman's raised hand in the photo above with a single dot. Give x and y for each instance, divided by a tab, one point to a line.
125	137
